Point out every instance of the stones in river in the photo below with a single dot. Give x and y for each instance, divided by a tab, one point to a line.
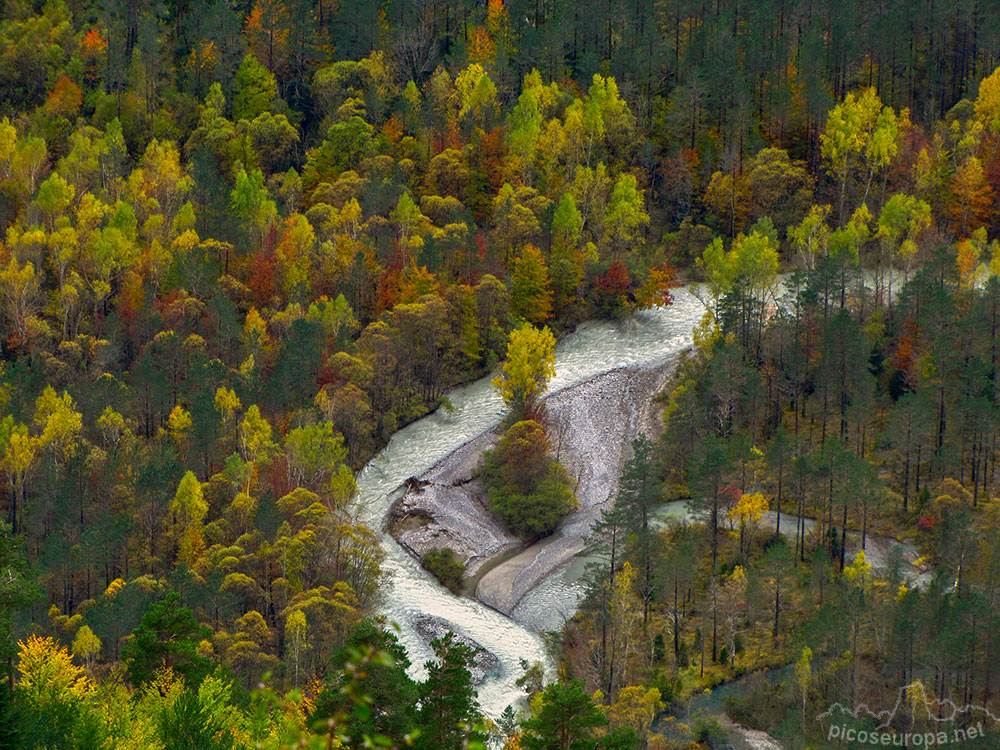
485	665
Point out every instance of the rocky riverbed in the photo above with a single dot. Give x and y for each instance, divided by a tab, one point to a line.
591	426
446	507
484	664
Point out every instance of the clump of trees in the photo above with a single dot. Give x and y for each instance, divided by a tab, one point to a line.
239	252
366	699
528	489
851	399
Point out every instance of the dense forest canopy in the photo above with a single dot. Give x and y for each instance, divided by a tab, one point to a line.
244	242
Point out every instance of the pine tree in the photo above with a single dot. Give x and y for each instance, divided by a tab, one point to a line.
449	713
392	694
168	635
637	494
567	719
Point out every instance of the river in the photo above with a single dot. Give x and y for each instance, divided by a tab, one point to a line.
648	338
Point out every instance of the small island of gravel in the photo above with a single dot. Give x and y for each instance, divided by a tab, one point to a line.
591	426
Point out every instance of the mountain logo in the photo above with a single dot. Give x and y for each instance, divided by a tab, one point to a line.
928	720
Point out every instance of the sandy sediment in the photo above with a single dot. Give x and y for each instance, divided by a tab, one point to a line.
591	426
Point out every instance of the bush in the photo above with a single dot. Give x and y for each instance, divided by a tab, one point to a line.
528	489
708	731
668	685
443	565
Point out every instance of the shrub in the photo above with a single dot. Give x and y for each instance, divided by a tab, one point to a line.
708	731
443	565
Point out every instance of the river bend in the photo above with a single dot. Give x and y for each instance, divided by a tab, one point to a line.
648	338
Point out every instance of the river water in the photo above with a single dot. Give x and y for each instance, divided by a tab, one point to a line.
647	338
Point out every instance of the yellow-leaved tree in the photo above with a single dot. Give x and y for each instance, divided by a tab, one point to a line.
188	509
636	707
748	511
531	288
47	674
86	645
861	138
531	363
988	102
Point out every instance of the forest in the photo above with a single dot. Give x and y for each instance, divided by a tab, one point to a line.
244	242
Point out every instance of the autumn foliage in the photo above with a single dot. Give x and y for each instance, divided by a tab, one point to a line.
243	244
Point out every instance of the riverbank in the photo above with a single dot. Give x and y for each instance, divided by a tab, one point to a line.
591	426
711	705
446	507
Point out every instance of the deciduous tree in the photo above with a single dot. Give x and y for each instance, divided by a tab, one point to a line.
529	366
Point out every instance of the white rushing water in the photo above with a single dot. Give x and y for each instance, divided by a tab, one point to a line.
649	337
